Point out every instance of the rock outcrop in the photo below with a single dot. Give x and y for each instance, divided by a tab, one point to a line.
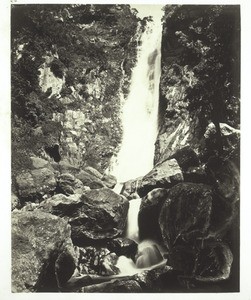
38	239
95	215
163	175
35	183
123	246
149	214
185	219
68	184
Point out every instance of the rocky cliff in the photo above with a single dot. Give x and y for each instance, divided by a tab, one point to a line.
70	66
200	78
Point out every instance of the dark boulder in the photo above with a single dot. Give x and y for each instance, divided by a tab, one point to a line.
213	263
104	214
38	240
152	280
123	246
186	158
225	176
164	175
148	217
98	214
185	219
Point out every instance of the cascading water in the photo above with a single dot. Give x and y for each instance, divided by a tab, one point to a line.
140	110
140	126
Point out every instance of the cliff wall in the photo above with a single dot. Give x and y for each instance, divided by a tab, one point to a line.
70	65
200	79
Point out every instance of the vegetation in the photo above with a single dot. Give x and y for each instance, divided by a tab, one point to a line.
207	39
83	42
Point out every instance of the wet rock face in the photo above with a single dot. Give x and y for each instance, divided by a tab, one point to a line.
163	175
38	239
96	215
149	214
184	219
175	133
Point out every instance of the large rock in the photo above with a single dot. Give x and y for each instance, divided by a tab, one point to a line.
96	215
163	175
68	184
148	217
38	239
109	180
90	180
118	286
123	246
61	205
225	176
35	183
129	189
93	172
151	280
185	219
186	157
213	263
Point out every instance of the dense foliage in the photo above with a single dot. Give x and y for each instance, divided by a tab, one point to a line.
83	41
206	39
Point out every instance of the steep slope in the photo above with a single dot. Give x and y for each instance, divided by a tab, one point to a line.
200	79
70	65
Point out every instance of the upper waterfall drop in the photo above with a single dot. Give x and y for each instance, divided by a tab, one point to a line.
140	109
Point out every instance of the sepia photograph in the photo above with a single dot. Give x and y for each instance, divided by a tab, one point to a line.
125	148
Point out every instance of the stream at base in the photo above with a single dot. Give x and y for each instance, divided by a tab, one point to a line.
149	255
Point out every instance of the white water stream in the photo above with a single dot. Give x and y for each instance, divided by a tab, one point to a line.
140	110
140	126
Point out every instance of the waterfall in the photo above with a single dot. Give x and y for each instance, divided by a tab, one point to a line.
140	128
140	109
